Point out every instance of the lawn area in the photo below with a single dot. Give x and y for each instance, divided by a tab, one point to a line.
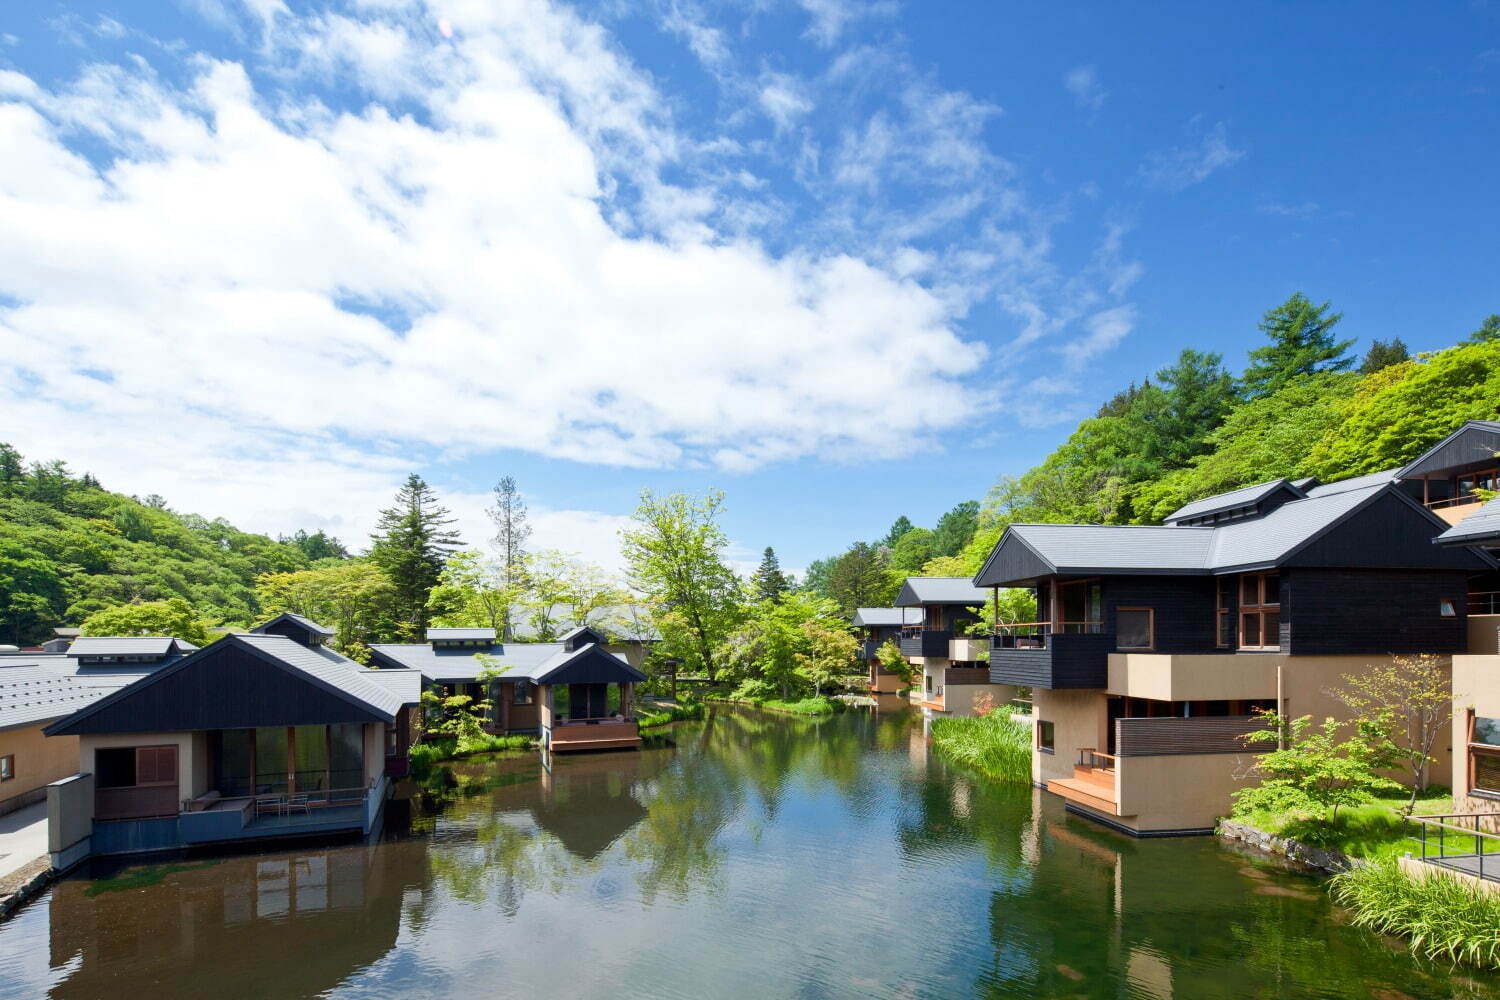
1373	830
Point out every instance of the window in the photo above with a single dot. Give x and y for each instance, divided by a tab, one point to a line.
521	693
114	767
1046	737
1135	628
1486	768
1447	609
1260	611
7	767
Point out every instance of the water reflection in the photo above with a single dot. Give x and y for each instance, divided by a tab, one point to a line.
163	927
754	854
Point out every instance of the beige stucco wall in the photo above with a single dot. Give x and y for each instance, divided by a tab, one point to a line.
1208	677
1476	686
1179	791
374	752
192	755
1078	719
39	762
972	699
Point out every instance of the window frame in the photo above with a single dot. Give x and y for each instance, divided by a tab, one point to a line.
7	767
1222	610
1258	610
1050	745
1150	629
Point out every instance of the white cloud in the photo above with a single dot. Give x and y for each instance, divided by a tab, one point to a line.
829	18
1104	329
783	98
1083	84
1184	166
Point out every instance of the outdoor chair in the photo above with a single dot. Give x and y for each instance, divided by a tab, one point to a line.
298	801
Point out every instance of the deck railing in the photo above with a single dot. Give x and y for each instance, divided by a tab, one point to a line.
1093	759
1484	602
1460	842
1034	635
1458	501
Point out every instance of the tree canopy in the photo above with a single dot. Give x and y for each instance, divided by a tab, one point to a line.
411	544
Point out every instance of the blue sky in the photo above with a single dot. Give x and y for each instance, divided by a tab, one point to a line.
843	261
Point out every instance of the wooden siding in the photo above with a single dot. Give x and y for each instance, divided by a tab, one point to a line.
290	630
966	675
1012	564
1389	533
226	688
1203	734
596	667
1069	661
1183	606
928	642
1341	612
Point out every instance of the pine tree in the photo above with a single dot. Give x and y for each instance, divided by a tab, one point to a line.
411	544
1488	330
902	526
770	583
12	469
511	530
1383	354
1302	343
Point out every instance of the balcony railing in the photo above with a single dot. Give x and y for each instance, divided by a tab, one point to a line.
1035	635
1463	499
1485	602
1092	759
1460	842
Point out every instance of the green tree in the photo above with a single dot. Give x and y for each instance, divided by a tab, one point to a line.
1313	771
827	654
31	591
173	617
1409	701
1488	331
911	551
902	526
676	557
354	598
769	581
955	528
12	470
1383	354
1198	394
473	590
815	579
411	544
859	579
317	546
893	661
1301	343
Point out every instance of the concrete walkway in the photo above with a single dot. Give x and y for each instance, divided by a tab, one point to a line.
23	837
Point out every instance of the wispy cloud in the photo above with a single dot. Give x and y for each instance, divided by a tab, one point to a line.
1192	163
829	18
1299	210
1083	83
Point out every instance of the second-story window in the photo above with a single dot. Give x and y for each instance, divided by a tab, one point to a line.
1135	628
1224	615
1260	611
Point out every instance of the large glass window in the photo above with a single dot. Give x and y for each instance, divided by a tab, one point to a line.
270	761
1486	731
1486	771
346	756
521	693
562	702
233	752
114	767
1135	628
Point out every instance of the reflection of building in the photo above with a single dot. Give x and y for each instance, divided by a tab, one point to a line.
954	679
1158	643
294	924
589	802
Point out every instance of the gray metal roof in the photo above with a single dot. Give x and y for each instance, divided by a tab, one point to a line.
1475	441
128	645
326	667
461	634
404	684
1480	528
306	623
31	694
67	632
872	617
1091	548
563	658
940	590
450	666
1357	483
1245	496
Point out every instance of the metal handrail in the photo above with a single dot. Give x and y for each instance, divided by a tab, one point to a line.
1458	501
1473	833
1089	757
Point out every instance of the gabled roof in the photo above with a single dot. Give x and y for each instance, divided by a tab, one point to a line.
1480	528
590	664
1475	441
940	590
1028	551
460	634
67	632
876	617
1357	483
30	693
1246	496
575	637
287	616
322	668
128	645
456	666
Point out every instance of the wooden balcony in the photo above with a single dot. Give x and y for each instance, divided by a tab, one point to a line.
594	734
1093	783
1051	655
920	642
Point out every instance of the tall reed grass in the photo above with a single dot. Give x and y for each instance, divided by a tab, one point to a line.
995	745
1443	917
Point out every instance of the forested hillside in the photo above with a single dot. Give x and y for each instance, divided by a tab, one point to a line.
1302	406
69	548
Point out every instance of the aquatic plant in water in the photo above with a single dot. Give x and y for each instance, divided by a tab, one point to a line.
993	744
1443	917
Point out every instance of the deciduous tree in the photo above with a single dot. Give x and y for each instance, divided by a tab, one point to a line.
354	598
1409	700
173	617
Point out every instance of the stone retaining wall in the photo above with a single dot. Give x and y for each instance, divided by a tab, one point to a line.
1312	857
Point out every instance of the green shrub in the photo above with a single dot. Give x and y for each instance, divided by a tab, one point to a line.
680	712
994	744
1443	917
820	705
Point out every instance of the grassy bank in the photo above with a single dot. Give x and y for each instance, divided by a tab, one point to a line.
1443	918
816	706
681	712
995	745
430	752
1374	830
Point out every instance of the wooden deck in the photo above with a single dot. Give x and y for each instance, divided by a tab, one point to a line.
1092	785
604	735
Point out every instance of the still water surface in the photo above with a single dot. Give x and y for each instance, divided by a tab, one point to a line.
758	856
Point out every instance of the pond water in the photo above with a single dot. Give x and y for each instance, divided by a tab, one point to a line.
758	856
